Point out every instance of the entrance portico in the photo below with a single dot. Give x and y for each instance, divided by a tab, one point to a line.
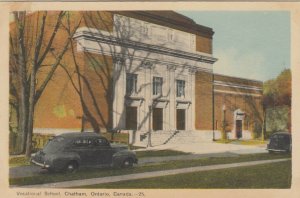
169	111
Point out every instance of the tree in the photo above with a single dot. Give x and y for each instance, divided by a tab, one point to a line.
278	93
33	39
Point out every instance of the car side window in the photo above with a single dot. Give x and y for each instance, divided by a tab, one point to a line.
101	142
275	137
83	142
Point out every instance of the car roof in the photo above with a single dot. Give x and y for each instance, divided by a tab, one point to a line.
79	134
283	133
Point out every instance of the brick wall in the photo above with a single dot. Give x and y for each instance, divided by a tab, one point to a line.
250	105
237	98
98	87
203	101
60	100
203	44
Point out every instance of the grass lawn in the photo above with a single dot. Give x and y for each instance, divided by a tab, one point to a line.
159	153
18	161
118	137
93	173
275	175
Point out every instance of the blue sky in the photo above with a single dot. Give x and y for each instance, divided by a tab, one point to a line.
248	44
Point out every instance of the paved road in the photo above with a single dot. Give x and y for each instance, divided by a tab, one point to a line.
93	181
27	171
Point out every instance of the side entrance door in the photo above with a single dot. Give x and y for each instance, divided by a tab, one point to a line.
238	128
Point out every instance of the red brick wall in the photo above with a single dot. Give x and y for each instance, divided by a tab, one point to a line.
59	105
204	44
250	105
203	101
98	72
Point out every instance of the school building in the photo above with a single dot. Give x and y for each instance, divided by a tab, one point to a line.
144	71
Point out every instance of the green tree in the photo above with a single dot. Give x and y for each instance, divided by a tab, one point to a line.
277	93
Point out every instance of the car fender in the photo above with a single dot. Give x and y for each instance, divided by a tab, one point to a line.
58	161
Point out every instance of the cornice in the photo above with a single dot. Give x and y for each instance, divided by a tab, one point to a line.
101	38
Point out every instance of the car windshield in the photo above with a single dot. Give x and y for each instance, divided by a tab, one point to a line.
55	144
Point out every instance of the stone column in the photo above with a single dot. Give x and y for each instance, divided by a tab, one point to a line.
192	72
166	94
148	67
172	97
119	94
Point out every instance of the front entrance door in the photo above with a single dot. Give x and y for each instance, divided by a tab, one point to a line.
131	118
238	128
157	118
180	119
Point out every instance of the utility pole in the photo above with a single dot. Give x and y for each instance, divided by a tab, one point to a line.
150	126
224	137
213	107
263	126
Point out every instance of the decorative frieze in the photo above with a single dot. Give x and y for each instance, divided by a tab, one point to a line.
138	30
147	64
171	67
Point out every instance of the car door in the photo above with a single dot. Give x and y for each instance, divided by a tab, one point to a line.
274	142
103	151
284	142
84	148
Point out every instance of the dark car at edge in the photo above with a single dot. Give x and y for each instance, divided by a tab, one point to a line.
280	142
69	151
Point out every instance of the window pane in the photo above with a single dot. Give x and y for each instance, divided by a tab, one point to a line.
180	88
157	85
131	81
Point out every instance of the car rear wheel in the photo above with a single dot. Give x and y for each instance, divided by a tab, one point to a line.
71	167
127	163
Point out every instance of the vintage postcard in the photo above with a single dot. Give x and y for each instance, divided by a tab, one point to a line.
150	99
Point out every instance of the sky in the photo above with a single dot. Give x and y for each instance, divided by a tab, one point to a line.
248	44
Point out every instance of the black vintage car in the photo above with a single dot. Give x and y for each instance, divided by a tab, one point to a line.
280	142
68	152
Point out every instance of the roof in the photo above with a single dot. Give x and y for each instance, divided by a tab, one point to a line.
282	133
170	19
80	134
238	80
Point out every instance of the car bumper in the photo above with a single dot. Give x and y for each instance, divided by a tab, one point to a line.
43	165
278	150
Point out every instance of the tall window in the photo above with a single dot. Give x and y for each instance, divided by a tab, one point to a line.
157	85
180	88
131	81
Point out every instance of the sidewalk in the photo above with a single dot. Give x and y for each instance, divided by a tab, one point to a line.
211	148
94	181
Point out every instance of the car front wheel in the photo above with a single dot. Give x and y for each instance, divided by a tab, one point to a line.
271	152
127	163
71	167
